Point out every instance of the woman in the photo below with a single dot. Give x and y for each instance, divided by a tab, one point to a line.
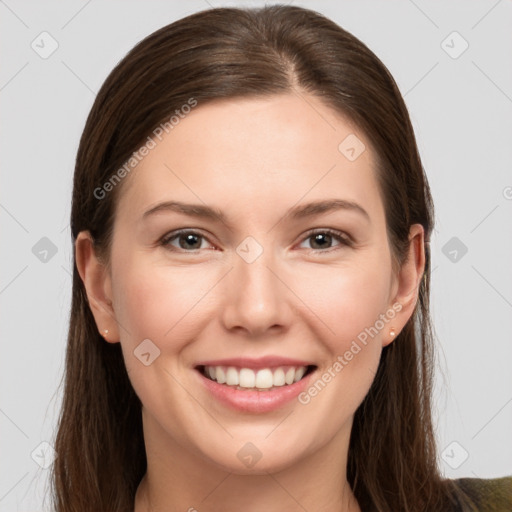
250	321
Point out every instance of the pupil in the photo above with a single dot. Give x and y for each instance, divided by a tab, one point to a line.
189	238
320	236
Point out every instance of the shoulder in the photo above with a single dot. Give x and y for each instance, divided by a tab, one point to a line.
488	495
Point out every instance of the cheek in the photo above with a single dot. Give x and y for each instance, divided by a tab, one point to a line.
349	307
352	312
167	305
164	306
347	302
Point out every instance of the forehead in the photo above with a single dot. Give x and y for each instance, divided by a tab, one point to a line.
256	154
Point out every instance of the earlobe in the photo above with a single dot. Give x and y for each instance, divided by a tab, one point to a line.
97	283
390	337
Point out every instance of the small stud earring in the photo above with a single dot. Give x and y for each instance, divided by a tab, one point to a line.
392	331
105	332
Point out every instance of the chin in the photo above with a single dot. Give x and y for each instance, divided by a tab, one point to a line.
258	457
263	466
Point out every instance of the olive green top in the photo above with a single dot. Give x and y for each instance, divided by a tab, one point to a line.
488	495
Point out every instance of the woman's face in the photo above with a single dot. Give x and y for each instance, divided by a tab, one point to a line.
254	296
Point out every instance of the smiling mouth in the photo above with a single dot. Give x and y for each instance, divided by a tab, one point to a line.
263	379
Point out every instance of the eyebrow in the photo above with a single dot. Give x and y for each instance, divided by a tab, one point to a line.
298	212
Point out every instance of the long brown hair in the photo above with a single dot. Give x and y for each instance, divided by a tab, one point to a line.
228	53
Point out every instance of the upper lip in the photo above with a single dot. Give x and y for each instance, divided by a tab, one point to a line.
256	363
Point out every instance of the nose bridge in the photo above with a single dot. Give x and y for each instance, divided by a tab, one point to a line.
256	297
253	270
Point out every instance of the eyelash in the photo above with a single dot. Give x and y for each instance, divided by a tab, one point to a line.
343	239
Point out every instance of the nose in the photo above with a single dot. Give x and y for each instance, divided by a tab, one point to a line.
256	296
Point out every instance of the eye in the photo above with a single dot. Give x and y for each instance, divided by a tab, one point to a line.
187	240
190	241
322	238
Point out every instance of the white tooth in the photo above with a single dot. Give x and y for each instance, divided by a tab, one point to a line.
299	373
247	378
211	372
279	377
232	376
264	379
290	374
220	375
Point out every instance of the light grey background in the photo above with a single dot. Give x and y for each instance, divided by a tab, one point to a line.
461	109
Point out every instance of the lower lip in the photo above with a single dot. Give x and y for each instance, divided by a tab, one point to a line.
255	401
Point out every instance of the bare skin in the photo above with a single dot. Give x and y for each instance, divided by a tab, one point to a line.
303	297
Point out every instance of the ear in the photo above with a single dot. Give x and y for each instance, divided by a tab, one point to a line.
98	286
407	283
